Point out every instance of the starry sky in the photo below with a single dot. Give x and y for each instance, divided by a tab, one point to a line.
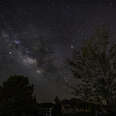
36	38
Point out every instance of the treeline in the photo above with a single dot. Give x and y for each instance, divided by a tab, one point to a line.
16	97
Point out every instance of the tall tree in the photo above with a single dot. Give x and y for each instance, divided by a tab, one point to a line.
94	66
16	96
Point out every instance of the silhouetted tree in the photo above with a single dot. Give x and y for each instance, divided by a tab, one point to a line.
94	67
16	96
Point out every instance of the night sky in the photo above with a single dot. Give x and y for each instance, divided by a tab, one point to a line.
60	26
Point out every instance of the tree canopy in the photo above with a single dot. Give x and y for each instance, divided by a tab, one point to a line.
16	96
94	67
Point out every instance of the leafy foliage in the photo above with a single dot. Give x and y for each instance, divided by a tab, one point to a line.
94	66
16	96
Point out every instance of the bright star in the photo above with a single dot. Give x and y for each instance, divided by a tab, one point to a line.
17	42
10	52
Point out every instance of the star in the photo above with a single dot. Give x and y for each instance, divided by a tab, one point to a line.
72	46
17	41
38	71
10	53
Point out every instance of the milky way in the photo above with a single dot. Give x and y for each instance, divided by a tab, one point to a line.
36	39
